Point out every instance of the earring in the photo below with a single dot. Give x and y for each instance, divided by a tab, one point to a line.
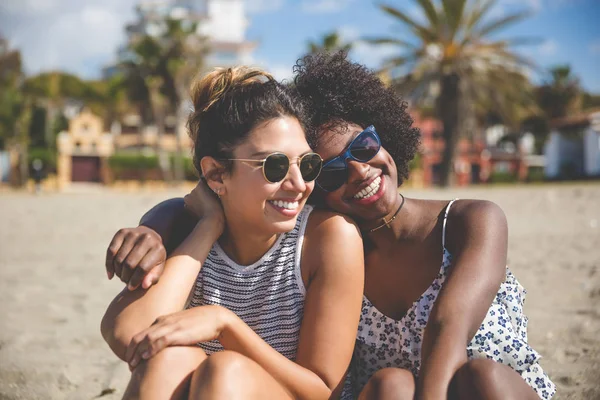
217	192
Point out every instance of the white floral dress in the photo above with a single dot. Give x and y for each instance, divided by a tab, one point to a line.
383	342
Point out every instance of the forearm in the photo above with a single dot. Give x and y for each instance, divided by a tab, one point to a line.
443	352
171	221
300	382
130	312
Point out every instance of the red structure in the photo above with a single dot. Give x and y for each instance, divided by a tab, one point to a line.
473	163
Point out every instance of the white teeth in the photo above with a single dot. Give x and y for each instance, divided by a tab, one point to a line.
369	190
285	204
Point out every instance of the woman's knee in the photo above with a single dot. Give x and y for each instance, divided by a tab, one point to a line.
485	379
173	366
221	375
479	379
178	356
390	383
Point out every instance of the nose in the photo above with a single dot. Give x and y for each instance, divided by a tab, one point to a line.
357	171
294	181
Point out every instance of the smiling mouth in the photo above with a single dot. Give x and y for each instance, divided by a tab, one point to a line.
370	190
287	205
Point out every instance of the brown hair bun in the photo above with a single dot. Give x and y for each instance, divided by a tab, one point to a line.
214	85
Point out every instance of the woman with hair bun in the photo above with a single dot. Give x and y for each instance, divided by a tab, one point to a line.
243	309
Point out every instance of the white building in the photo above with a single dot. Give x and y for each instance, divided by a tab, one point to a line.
573	148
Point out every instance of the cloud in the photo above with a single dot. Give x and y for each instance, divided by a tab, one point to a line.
28	7
373	56
278	70
324	6
263	6
595	47
536	6
370	55
281	72
348	33
548	48
78	37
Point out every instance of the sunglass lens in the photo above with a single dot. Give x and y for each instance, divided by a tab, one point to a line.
310	166
333	175
365	146
276	167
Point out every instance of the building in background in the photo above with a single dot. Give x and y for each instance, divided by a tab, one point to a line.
83	151
85	148
573	149
490	159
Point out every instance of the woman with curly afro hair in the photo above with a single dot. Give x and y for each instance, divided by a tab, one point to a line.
442	316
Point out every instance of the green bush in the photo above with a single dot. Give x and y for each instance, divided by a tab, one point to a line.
46	155
536	174
503	177
416	162
126	161
189	171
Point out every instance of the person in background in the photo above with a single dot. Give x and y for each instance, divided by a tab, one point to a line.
38	172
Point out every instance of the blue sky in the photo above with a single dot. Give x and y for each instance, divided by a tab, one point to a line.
81	36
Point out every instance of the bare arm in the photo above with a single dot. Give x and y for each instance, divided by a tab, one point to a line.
477	237
132	311
137	255
171	221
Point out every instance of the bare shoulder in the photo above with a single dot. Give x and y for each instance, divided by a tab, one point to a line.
332	242
476	212
171	206
324	223
475	220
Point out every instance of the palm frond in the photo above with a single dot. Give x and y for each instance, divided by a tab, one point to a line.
453	15
501	23
392	41
476	15
420	30
430	12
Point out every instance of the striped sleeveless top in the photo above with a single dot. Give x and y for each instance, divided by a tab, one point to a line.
267	295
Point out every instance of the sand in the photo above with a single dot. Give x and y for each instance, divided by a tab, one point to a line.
53	287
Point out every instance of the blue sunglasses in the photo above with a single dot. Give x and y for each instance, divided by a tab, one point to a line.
363	148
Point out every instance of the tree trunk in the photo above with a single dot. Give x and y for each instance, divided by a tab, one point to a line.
448	110
159	111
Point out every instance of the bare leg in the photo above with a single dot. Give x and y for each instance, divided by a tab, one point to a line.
166	375
389	384
481	379
230	375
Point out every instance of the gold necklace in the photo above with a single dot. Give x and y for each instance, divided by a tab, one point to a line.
387	223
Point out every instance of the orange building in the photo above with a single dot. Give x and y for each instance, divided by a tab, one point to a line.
474	162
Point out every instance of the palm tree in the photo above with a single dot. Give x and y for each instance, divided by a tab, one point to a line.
561	94
15	108
158	75
51	90
330	42
11	97
455	64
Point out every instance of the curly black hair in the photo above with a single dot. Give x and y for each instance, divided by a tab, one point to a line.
336	91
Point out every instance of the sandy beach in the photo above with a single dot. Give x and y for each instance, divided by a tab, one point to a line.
54	290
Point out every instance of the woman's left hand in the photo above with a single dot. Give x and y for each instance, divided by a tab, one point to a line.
183	328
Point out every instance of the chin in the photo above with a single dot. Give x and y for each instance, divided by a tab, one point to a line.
283	226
